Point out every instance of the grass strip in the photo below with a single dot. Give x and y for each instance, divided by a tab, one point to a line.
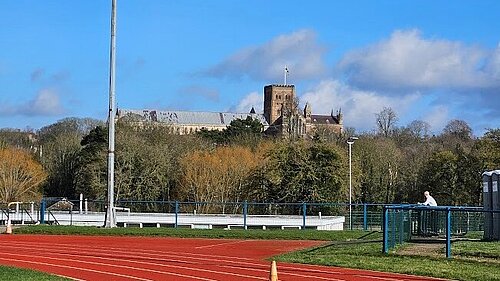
19	274
369	256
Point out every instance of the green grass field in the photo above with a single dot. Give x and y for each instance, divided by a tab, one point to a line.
17	274
472	259
468	262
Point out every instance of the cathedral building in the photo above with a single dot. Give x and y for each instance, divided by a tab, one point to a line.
282	117
281	111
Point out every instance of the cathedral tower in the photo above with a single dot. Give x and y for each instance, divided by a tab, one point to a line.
276	97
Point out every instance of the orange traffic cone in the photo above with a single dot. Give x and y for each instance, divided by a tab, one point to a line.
8	229
273	275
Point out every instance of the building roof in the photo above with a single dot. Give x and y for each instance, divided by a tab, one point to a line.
176	117
323	119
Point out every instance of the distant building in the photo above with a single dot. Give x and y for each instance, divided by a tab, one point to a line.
281	110
186	122
281	116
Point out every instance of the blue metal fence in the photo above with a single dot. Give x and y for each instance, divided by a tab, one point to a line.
405	223
364	216
400	223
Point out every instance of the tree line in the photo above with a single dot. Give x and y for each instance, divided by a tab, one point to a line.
391	164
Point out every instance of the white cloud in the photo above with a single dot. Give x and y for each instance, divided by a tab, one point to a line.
299	50
254	99
45	103
437	117
359	107
408	61
493	65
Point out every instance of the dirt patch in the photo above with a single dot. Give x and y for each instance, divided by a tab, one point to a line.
421	249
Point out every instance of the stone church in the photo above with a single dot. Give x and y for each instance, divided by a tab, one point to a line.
282	117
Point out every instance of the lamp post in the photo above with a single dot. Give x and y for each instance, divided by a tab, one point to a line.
110	212
350	142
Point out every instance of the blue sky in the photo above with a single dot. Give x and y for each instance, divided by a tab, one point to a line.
428	60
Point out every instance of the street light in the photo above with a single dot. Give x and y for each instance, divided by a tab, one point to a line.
350	142
110	212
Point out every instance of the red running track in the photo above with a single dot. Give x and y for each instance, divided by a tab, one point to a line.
146	258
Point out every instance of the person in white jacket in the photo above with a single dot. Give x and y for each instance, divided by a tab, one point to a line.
429	200
428	219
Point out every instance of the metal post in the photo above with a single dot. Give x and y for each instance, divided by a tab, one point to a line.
401	226
385	229
350	142
393	228
111	218
304	210
42	212
245	211
81	203
448	233
365	217
350	187
32	210
176	213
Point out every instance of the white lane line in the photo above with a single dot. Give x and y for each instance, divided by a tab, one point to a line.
74	268
220	244
152	252
147	263
114	265
133	254
67	277
219	258
201	261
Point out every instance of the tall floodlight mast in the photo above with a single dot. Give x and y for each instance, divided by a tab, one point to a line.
110	212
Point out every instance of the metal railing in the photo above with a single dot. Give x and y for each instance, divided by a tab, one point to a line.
399	222
410	223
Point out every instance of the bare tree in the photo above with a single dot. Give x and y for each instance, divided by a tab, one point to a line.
419	128
458	128
386	121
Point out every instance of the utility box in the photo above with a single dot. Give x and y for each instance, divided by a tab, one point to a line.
495	203
487	205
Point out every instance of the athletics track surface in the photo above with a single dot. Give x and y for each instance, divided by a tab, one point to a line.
146	258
